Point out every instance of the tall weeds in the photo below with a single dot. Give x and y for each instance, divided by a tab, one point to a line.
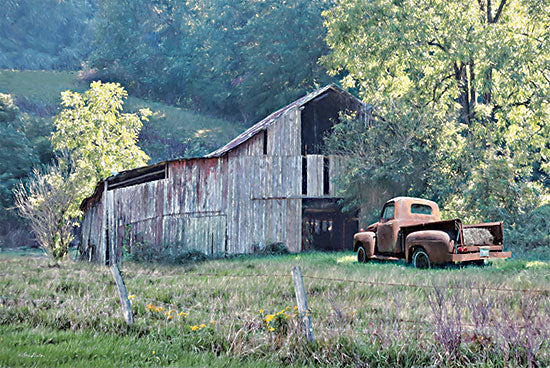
451	323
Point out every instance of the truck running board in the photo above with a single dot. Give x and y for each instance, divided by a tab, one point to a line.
384	258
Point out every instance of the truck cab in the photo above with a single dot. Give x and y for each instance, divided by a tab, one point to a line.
411	229
399	212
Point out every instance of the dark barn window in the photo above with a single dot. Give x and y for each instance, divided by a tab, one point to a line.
318	117
265	142
326	177
304	175
138	176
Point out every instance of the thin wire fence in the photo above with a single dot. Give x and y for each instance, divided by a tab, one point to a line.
373	318
365	282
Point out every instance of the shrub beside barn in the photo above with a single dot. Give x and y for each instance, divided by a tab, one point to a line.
271	184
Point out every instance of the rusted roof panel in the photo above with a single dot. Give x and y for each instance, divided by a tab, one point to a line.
270	119
125	175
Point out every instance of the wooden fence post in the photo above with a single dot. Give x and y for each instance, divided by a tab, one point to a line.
302	302
123	294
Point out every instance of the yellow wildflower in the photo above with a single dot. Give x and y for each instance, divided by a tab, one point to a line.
269	317
160	309
261	311
153	352
170	316
131	297
202	325
182	314
194	328
213	322
271	329
149	306
295	307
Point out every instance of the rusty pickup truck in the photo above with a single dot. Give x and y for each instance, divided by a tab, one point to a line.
411	229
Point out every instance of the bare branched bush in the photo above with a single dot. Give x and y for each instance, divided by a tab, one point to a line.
446	308
524	332
45	201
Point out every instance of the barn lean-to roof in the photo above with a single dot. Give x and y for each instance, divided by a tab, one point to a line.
237	141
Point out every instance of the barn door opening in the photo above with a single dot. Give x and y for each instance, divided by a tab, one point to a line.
325	227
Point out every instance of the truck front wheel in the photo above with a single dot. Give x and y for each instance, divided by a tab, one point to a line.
361	254
420	259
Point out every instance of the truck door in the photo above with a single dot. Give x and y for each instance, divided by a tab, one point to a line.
385	233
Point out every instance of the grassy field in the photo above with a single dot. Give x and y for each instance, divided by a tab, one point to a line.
240	312
169	126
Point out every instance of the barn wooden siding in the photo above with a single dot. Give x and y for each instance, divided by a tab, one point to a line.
185	209
264	204
232	204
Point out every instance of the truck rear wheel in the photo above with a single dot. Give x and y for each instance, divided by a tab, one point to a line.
361	254
420	259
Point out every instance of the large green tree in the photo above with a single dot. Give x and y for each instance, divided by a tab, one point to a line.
93	139
100	138
238	59
17	156
460	92
45	34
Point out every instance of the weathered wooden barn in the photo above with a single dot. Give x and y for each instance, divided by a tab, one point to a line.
270	184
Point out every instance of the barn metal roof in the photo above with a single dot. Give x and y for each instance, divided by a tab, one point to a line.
270	119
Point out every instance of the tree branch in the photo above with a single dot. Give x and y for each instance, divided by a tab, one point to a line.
515	104
437	44
499	11
481	5
436	86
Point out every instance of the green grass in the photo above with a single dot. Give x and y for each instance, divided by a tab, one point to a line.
43	347
76	307
40	86
168	127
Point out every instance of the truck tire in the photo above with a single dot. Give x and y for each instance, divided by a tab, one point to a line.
420	259
361	254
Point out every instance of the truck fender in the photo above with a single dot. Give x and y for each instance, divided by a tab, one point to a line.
367	239
436	243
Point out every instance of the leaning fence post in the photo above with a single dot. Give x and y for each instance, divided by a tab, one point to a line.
122	293
302	302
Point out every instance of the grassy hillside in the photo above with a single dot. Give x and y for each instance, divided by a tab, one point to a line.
171	131
232	311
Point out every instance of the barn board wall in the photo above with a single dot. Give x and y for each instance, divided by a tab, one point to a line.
336	170
259	209
91	232
314	175
158	213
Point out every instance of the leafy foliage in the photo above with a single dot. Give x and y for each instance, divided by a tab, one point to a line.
23	144
460	93
531	230
45	34
16	153
100	137
240	59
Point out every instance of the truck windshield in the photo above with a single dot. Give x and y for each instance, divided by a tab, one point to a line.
388	211
421	209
